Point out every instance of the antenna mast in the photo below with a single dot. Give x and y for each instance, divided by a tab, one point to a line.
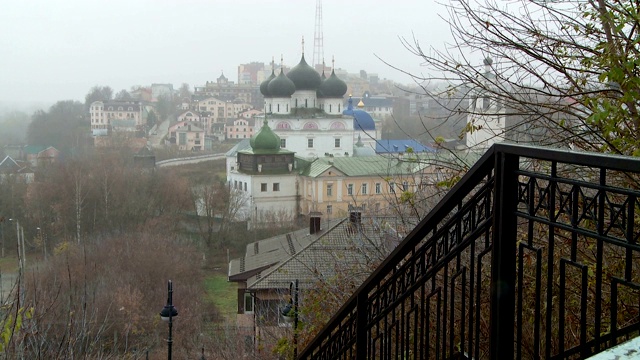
318	47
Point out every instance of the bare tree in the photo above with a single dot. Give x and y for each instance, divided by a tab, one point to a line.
562	70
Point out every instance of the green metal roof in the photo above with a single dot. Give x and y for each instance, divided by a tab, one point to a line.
367	166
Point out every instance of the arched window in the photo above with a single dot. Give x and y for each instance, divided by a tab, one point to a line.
337	126
119	108
310	126
278	107
305	103
329	107
283	125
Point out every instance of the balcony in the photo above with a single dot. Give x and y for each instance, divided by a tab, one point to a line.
532	255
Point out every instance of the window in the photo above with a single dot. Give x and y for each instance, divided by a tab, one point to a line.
378	188
283	143
350	189
309	143
263	187
329	189
392	187
276	186
405	186
248	303
235	184
329	209
337	143
245	186
364	189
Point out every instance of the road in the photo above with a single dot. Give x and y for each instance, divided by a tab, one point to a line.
190	160
160	132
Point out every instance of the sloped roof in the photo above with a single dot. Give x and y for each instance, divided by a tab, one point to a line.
263	254
367	166
242	145
8	165
398	146
339	249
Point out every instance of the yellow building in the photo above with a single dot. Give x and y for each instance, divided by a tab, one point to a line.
374	184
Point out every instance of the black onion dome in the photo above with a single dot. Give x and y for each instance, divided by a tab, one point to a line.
333	87
281	86
319	93
304	77
264	86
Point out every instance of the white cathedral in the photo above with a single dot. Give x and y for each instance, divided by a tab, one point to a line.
305	118
306	111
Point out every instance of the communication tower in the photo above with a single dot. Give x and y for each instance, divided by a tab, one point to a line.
318	50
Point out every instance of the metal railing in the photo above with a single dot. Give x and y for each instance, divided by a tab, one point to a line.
533	254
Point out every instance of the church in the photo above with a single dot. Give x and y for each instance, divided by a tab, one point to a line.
303	157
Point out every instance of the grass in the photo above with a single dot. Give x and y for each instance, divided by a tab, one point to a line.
222	294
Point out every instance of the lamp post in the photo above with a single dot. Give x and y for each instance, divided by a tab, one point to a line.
167	314
22	259
293	305
43	238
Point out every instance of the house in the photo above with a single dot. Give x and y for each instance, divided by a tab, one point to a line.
251	113
19	170
240	128
190	137
119	116
316	254
380	107
226	90
40	155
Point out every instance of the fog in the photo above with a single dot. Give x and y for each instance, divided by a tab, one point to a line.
55	50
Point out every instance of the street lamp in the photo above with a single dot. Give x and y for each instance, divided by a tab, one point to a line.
43	238
286	311
167	314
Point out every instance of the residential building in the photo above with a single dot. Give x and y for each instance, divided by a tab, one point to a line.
268	267
241	128
380	107
41	155
250	73
19	170
226	90
158	90
118	116
187	135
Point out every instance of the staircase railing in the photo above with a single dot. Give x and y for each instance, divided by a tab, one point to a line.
533	254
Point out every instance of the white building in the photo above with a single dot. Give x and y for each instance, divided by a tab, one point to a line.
486	121
123	116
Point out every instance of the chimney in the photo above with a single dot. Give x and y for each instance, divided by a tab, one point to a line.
355	215
314	222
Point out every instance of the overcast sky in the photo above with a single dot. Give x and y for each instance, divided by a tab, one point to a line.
58	49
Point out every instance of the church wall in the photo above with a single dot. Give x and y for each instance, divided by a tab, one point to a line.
304	95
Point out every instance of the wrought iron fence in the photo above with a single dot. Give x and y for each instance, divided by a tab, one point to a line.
533	254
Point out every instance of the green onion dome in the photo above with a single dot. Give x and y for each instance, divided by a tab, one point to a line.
265	139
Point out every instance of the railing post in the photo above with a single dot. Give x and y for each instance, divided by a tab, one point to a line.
361	326
503	257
